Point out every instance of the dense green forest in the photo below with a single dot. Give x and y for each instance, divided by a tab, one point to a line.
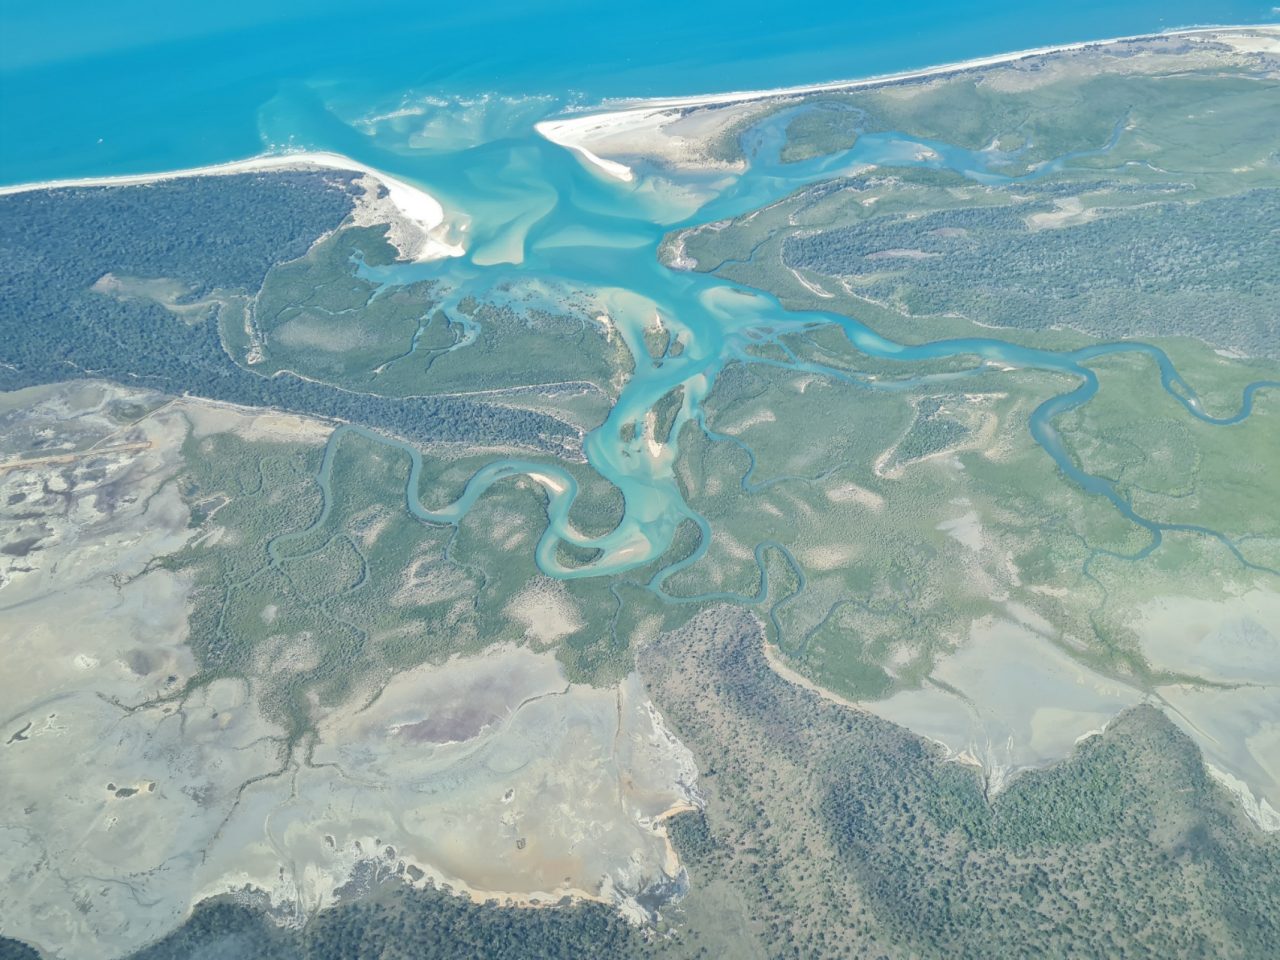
207	233
832	833
401	922
838	834
1204	269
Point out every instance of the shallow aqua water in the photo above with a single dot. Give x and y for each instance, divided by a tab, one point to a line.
716	320
84	95
90	88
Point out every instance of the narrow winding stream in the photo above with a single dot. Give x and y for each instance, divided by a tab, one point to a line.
574	231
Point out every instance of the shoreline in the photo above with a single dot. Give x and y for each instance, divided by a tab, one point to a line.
575	129
579	130
416	218
626	104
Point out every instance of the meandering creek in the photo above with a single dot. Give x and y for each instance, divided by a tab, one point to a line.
570	230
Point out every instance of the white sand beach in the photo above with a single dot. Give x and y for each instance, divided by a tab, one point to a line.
418	227
663	127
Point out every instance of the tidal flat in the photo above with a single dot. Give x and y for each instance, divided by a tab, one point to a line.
174	785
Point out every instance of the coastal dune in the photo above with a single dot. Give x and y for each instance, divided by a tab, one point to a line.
418	227
676	130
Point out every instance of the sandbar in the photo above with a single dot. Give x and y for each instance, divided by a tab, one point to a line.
418	225
630	117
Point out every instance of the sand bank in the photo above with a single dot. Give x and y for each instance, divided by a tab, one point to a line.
624	129
416	218
572	134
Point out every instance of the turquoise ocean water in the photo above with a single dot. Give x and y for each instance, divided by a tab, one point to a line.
447	98
92	88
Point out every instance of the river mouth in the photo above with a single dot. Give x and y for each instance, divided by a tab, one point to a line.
601	238
608	238
617	424
840	515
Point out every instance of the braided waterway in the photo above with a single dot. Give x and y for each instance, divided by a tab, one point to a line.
539	219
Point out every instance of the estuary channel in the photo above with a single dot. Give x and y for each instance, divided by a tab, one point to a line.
539	217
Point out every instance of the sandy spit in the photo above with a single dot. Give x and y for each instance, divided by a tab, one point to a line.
580	133
418	211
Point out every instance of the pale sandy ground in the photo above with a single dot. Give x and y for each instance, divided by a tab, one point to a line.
965	529
1022	702
252	423
675	131
852	493
418	229
95	795
1025	702
1067	212
546	611
490	774
1236	642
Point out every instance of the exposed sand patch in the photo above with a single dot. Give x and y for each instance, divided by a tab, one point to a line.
828	557
1262	40
491	774
965	529
573	136
416	220
251	423
852	493
809	285
1258	810
113	811
1238	731
901	254
1231	640
753	419
109	808
546	611
672	135
310	332
1116	56
1025	702
432	579
1066	212
167	293
1028	617
83	518
779	666
677	132
554	486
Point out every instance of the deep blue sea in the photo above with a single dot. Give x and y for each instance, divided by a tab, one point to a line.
93	88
